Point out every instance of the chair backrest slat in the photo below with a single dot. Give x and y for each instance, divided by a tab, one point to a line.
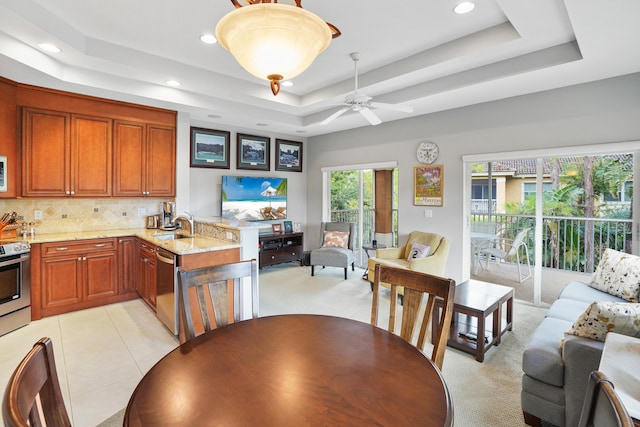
209	296
33	396
416	285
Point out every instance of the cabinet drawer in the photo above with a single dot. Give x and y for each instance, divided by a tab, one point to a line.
78	246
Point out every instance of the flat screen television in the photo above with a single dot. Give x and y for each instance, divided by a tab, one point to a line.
250	198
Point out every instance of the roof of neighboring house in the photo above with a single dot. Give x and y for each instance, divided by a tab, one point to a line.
527	167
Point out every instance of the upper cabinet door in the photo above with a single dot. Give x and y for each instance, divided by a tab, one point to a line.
130	148
91	156
161	164
46	140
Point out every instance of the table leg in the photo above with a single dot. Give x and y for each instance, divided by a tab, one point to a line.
480	338
510	312
497	320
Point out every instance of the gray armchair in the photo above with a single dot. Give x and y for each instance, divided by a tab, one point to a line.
334	256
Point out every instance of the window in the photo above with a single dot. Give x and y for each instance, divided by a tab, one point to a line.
480	189
529	189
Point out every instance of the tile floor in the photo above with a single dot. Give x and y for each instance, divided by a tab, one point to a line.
85	345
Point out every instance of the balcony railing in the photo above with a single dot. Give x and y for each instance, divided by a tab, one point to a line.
569	243
368	223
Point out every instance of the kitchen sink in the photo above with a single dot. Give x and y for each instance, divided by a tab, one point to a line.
171	236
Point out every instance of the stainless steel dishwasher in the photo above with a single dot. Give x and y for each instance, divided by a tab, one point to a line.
167	289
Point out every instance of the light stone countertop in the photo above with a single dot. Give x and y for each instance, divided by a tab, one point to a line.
196	244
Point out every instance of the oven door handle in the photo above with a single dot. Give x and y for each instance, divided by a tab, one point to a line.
22	258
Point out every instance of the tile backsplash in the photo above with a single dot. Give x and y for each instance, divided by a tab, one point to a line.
67	215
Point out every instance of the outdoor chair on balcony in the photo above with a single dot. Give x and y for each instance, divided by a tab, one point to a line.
504	249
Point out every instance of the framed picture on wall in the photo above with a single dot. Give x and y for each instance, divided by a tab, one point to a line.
428	184
253	152
288	155
209	148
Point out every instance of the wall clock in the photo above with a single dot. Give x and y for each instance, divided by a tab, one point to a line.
427	152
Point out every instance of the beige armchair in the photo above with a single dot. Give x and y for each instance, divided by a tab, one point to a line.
433	264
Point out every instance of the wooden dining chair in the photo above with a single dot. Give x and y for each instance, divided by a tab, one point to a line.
602	406
33	397
416	285
209	296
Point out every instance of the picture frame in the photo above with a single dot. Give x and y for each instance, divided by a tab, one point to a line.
210	148
288	155
428	185
297	227
288	227
253	152
3	174
276	228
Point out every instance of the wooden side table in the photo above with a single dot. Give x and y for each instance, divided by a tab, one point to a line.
474	303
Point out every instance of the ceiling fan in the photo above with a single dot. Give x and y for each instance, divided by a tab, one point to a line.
362	103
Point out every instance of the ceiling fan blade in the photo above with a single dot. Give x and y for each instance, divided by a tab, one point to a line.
395	107
334	116
372	118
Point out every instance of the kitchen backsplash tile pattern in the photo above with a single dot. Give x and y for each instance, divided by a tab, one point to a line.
64	215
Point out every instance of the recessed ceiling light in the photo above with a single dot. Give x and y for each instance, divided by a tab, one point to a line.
287	83
50	47
464	7
208	39
173	83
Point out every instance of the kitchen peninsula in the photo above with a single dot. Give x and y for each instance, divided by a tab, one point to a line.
77	270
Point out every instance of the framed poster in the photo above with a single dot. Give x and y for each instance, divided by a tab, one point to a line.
209	148
3	173
288	155
428	185
253	152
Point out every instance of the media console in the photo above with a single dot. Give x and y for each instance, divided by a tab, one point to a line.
280	248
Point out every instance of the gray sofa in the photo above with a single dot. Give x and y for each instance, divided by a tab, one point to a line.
555	379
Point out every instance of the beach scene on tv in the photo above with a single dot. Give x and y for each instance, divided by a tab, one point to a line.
253	198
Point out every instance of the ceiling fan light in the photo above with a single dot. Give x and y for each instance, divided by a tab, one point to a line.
464	7
271	39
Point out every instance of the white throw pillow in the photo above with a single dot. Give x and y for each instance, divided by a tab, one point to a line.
336	239
608	316
618	274
418	250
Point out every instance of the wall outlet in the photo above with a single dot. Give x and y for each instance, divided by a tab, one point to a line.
142	211
37	214
428	213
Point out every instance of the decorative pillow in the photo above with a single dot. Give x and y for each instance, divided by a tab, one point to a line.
608	316
418	250
336	239
618	274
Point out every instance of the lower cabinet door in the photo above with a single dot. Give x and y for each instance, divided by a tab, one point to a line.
101	271
62	283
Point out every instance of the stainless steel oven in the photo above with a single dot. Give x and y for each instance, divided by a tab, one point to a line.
15	286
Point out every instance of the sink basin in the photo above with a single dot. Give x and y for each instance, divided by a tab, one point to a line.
171	236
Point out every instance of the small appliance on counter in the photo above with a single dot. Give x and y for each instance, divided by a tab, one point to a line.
166	218
153	221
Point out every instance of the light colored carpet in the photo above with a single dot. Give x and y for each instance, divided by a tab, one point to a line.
483	394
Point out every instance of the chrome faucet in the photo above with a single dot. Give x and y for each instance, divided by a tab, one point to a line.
188	218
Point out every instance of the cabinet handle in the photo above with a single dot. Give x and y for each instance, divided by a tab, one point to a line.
67	192
84	258
79	258
61	249
73	192
99	245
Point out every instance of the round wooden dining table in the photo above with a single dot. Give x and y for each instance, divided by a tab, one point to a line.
293	370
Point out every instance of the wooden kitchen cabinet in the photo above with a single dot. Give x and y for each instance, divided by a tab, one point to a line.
146	272
65	154
77	274
126	264
145	160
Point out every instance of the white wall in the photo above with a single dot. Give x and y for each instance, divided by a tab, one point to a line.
601	112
